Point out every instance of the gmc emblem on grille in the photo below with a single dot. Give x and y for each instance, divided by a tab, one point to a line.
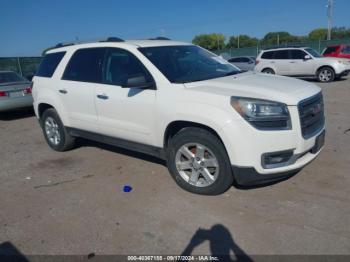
317	109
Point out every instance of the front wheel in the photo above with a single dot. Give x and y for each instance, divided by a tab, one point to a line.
198	162
326	75
268	71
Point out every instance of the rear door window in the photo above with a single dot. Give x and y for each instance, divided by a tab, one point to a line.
85	65
281	54
49	64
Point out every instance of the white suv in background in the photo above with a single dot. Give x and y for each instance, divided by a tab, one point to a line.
212	123
301	62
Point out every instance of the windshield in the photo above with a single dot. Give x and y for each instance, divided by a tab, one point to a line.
313	52
183	64
8	77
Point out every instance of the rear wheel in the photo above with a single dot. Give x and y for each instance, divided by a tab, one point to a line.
198	162
54	131
325	75
269	71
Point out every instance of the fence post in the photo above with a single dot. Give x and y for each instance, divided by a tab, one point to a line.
319	45
19	66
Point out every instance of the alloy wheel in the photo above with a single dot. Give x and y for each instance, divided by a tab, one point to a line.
197	164
52	131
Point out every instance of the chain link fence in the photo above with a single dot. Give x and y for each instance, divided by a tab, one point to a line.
25	66
255	50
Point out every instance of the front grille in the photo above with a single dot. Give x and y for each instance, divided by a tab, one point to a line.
311	113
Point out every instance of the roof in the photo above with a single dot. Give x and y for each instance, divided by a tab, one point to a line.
136	43
285	48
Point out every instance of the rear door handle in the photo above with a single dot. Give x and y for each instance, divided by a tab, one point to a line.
292	62
103	96
63	91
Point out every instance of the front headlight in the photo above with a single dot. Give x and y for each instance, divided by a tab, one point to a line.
263	114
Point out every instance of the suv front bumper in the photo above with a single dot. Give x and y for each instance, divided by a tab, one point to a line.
248	176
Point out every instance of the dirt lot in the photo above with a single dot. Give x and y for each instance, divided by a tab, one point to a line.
73	202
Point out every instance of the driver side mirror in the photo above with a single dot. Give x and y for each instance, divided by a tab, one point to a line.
139	82
307	57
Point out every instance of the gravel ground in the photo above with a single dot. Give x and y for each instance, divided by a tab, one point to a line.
73	202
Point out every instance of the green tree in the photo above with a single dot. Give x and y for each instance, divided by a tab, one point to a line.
212	41
318	34
340	32
273	38
244	41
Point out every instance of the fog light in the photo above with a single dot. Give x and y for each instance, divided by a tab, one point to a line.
276	159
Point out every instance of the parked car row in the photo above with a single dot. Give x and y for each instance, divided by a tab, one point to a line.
299	62
15	91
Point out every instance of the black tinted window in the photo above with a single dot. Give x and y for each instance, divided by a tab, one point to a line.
282	54
297	54
330	50
85	65
49	64
121	65
267	55
346	50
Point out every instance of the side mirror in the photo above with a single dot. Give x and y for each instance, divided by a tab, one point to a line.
138	82
307	57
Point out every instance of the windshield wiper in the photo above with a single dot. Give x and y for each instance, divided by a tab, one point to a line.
232	73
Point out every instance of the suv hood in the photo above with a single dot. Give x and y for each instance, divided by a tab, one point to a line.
262	86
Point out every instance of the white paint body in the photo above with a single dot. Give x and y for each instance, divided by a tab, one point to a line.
144	116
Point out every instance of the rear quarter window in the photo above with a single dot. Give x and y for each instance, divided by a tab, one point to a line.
49	64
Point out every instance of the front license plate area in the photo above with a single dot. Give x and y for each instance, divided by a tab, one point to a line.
319	142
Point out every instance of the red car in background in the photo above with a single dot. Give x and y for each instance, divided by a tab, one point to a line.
341	51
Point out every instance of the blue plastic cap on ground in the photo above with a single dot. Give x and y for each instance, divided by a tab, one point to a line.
127	188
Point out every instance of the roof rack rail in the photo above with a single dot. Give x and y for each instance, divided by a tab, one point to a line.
113	39
159	38
62	45
284	46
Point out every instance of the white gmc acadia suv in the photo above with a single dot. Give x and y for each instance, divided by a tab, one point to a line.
211	123
301	62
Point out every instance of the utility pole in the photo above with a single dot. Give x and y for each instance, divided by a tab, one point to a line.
278	40
238	41
330	18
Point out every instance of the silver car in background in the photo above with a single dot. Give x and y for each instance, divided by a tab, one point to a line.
15	91
245	63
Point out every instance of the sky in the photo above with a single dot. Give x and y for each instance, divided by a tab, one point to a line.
29	26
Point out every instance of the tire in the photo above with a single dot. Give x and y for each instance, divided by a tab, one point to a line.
207	175
269	71
325	75
54	131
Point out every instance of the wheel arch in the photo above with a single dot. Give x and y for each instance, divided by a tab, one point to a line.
325	66
176	126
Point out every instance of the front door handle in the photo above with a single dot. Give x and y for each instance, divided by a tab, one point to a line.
292	62
63	91
103	96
